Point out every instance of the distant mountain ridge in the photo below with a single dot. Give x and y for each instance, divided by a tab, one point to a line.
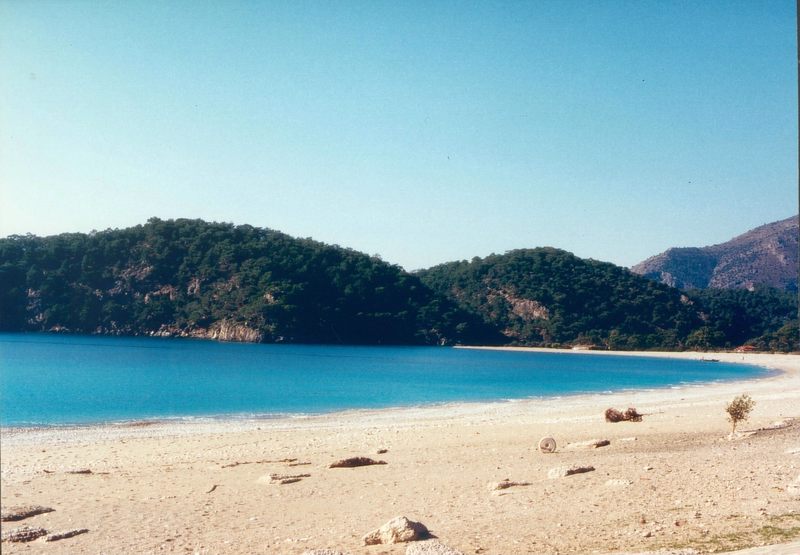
765	256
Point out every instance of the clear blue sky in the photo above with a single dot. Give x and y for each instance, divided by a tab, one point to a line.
420	131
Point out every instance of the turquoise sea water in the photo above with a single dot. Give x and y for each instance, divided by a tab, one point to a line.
59	379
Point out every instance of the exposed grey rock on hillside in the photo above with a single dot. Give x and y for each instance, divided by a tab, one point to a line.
766	255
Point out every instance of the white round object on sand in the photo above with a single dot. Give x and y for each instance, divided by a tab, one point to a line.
547	445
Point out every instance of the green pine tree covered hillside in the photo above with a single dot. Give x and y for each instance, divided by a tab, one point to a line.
549	297
240	283
190	278
765	318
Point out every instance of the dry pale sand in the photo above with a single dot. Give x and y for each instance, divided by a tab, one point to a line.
201	487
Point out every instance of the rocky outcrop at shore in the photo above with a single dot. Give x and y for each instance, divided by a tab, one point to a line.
225	330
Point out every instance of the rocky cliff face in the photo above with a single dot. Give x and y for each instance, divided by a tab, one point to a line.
764	256
223	330
230	331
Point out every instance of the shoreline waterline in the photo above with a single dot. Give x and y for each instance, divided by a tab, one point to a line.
73	383
777	367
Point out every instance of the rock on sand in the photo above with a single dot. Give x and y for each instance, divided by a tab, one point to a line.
589	444
20	513
66	534
353	462
564	471
505	484
397	530
23	534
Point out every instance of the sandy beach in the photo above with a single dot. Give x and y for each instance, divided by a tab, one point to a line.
672	481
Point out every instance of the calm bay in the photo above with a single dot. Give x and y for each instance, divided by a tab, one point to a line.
48	379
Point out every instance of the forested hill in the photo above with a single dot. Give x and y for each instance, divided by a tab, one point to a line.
547	296
190	278
219	281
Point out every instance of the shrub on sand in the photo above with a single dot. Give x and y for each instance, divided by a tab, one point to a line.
632	415
613	415
739	410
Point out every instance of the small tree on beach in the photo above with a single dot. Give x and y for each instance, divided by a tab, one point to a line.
739	410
